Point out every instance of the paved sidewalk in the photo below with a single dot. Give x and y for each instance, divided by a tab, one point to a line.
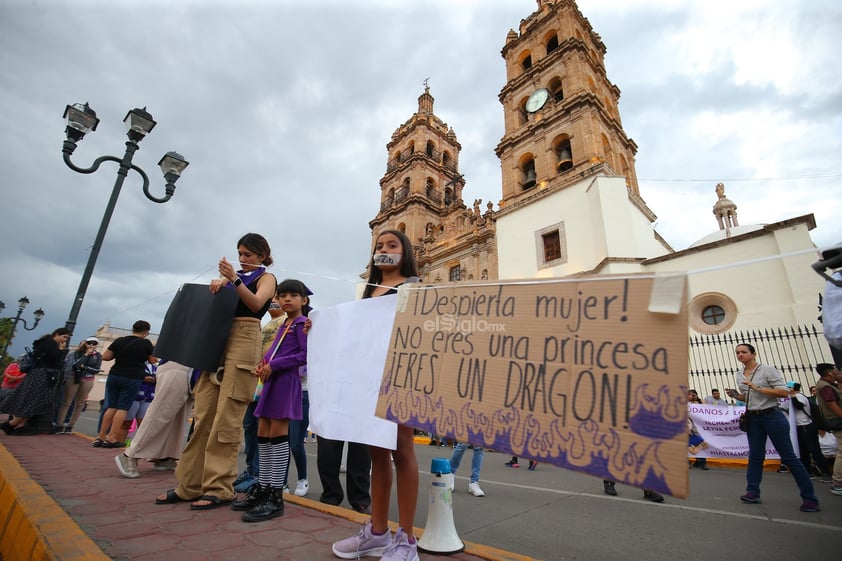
63	500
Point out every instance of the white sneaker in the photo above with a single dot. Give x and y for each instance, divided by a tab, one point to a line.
127	466
302	488
364	544
474	489
401	549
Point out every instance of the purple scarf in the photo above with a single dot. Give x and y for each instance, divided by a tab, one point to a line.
249	277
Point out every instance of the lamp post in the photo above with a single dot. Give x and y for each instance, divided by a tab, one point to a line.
39	314
80	120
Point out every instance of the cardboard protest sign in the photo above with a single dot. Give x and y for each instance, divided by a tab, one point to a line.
574	372
196	326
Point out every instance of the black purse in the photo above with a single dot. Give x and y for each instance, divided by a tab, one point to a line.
744	415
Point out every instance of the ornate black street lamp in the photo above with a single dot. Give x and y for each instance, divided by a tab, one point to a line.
80	120
39	314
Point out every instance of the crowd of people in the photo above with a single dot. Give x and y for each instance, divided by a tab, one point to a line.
259	397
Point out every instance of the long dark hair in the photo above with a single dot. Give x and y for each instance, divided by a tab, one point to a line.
258	245
409	267
295	286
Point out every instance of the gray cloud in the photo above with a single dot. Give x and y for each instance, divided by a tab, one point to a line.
284	111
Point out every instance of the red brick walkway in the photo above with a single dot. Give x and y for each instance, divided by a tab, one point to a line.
121	517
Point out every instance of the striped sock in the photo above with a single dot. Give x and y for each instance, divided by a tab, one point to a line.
280	461
264	458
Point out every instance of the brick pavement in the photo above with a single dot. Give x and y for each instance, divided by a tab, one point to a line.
63	500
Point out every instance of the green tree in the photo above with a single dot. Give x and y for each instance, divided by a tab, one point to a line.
5	332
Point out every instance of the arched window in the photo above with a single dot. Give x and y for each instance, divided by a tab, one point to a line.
563	153
606	149
555	89
552	43
430	188
411	148
526	60
430	148
522	115
528	176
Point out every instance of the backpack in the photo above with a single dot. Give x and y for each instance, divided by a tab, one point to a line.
27	360
821	422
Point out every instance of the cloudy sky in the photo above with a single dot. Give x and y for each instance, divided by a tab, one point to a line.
284	110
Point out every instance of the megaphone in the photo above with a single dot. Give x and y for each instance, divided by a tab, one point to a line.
440	535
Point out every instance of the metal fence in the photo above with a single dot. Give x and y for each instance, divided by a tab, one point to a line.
794	351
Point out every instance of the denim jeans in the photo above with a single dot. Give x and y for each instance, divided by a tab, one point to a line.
476	461
297	434
775	426
250	439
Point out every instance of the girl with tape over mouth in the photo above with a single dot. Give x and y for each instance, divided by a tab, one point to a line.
208	465
392	264
760	386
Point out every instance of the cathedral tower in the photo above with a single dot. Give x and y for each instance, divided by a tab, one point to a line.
569	187
421	195
561	115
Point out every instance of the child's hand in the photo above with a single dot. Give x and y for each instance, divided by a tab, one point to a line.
308	323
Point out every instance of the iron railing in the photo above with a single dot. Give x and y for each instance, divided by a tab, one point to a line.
794	351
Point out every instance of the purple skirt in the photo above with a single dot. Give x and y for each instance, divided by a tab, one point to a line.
281	397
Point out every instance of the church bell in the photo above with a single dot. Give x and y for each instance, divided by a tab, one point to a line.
565	159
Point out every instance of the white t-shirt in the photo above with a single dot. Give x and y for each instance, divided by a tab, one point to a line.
828	444
801	417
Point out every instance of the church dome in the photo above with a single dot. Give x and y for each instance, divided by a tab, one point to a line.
720	235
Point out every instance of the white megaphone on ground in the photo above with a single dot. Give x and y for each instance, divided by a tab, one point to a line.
440	532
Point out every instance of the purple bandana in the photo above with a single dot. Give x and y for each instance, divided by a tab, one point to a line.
249	277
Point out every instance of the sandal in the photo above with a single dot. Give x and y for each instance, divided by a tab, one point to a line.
97	443
212	502
170	498
115	444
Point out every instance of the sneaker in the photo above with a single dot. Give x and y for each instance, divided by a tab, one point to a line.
474	489
127	466
653	496
363	544
301	488
58	429
243	485
809	506
783	469
532	465
750	498
826	478
836	489
512	464
400	549
286	489
608	486
68	429
166	464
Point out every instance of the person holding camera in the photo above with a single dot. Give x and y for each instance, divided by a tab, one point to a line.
80	370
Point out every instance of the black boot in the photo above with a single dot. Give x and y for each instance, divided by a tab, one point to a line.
270	508
254	497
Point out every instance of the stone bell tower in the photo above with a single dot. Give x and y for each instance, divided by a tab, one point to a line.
570	200
560	108
421	195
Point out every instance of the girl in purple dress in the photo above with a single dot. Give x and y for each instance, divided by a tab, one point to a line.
280	401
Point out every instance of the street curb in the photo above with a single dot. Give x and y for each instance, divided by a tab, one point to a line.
33	527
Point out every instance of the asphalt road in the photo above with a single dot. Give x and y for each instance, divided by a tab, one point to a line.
556	514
